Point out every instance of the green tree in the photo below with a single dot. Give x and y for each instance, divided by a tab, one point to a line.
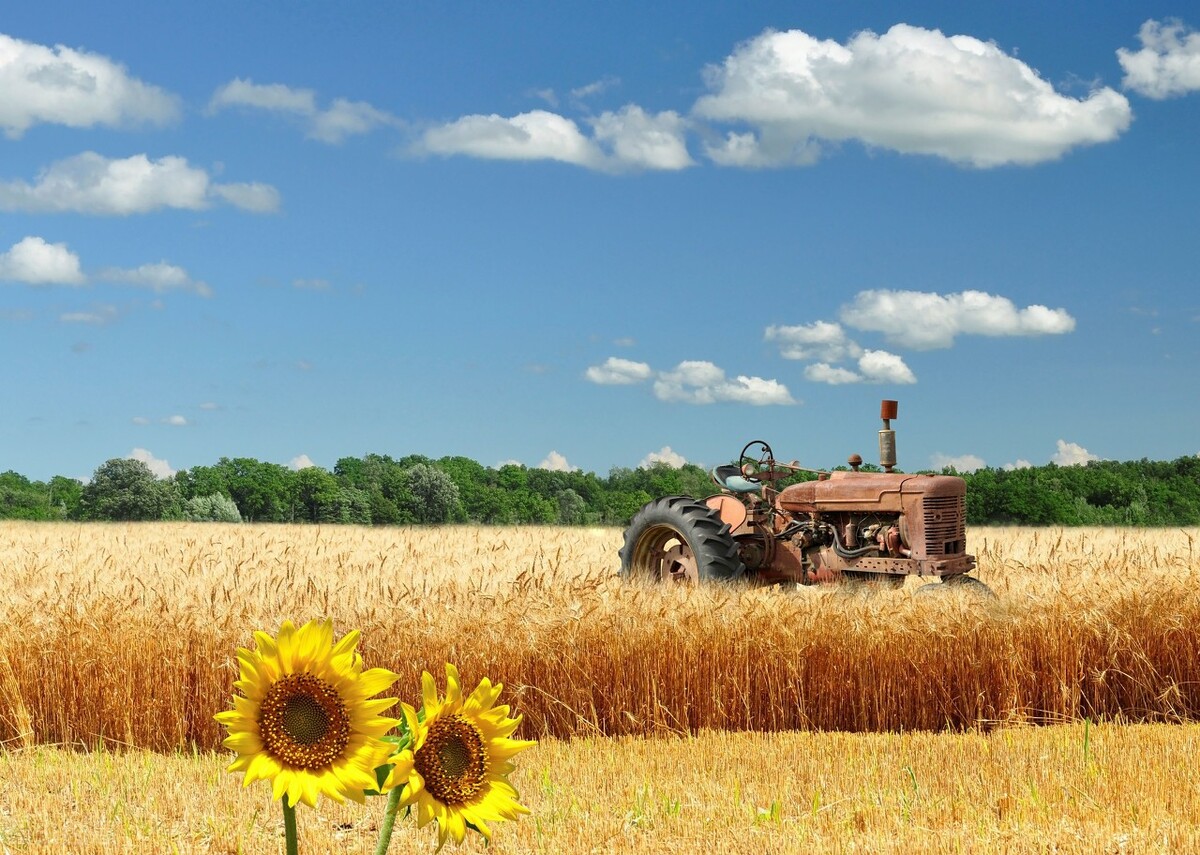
317	495
434	495
124	489
215	508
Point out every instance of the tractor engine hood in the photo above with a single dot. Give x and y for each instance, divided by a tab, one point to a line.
868	492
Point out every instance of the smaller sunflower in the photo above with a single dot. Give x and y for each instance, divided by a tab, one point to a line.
456	768
303	719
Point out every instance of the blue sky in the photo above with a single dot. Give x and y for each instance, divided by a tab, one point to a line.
596	235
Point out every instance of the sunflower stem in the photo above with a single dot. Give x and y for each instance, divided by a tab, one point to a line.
289	828
389	821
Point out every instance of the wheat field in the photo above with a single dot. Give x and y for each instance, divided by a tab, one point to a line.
838	722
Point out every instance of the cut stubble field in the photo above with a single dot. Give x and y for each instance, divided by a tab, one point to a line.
726	717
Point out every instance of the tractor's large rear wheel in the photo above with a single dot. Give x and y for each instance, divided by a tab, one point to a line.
680	540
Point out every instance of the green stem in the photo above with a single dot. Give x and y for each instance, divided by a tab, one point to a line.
289	828
389	820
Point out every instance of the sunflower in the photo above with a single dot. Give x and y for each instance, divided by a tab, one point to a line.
456	768
303	719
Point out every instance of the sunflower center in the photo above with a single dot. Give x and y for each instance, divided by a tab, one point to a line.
453	760
303	721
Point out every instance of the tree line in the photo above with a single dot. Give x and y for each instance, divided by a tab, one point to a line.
380	490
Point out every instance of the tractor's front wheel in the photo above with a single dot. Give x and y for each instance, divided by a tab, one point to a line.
678	539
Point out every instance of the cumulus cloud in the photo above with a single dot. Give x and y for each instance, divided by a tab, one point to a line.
874	366
1071	454
36	262
630	138
700	382
342	119
879	366
90	183
160	278
160	468
555	462
672	458
299	462
635	139
75	88
834	375
911	90
175	421
924	321
820	340
961	463
1168	63
1020	464
615	371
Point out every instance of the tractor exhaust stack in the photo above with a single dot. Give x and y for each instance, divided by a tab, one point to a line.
887	436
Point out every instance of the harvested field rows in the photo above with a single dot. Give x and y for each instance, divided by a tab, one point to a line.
125	633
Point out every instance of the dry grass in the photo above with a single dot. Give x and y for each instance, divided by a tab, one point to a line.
125	633
1077	789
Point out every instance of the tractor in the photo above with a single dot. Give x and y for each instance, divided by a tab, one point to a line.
843	526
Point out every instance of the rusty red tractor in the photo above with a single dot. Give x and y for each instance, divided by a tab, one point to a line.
844	526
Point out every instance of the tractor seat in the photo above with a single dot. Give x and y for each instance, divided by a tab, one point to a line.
731	478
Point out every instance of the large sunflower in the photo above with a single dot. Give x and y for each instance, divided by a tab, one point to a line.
457	765
303	719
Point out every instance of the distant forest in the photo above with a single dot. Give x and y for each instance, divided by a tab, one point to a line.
380	490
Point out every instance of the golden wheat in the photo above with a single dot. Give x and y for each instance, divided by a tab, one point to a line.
125	633
1073	790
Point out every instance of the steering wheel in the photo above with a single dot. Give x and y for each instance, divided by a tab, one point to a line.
750	464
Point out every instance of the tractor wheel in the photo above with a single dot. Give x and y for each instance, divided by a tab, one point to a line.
969	584
678	539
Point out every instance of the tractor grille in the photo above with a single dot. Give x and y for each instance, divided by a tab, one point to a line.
945	525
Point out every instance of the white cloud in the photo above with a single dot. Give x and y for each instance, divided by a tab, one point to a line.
700	382
343	119
1168	63
300	462
90	183
35	262
100	315
210	406
627	139
823	372
879	366
672	458
961	463
819	340
253	197
615	371
924	321
175	421
1071	454
595	87
911	90
140	420
159	278
555	462
536	135
160	468
638	140
874	366
1020	464
69	87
